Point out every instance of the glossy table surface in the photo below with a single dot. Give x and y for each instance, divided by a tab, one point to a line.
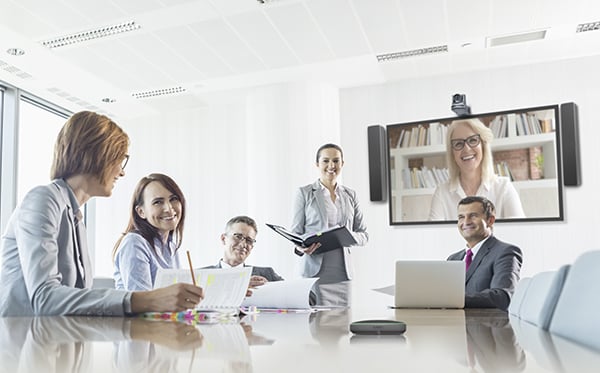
435	341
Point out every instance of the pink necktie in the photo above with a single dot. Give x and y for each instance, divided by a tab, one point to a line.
468	259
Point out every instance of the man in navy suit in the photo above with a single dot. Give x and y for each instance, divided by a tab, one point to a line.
492	266
238	241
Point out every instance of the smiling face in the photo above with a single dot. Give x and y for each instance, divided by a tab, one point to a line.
330	164
160	208
238	242
468	158
473	224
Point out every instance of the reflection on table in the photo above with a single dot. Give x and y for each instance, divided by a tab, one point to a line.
435	341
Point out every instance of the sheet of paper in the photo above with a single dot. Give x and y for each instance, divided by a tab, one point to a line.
285	294
224	289
389	290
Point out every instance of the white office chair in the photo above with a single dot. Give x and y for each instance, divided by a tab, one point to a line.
514	308
576	313
542	295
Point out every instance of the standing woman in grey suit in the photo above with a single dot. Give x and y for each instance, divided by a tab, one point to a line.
46	265
321	205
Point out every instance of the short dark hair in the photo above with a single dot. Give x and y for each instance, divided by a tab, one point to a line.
488	207
329	146
241	219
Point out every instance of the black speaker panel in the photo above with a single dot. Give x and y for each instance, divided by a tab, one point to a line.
569	125
378	170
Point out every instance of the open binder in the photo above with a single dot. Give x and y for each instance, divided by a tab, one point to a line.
330	239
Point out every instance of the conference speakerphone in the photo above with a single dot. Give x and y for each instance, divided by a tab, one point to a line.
378	327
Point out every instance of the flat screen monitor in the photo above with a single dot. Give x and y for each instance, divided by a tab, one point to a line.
525	152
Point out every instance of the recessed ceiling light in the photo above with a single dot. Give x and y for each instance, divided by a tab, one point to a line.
108	100
91	34
495	41
412	53
15	51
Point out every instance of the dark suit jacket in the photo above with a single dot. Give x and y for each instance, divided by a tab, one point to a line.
266	272
493	275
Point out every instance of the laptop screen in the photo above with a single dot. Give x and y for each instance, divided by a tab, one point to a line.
430	284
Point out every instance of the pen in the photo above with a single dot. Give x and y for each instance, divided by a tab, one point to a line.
191	268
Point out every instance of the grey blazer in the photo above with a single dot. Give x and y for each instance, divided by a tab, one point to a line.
493	275
46	270
310	215
266	272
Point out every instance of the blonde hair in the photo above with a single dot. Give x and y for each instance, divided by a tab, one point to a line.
88	143
487	161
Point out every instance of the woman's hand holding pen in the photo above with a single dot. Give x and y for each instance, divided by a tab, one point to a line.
309	250
174	298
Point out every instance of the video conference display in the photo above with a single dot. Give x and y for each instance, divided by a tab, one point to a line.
526	153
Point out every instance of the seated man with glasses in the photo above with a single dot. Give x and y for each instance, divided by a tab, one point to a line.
238	241
471	173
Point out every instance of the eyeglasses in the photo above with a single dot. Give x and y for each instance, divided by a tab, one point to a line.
238	237
124	163
472	141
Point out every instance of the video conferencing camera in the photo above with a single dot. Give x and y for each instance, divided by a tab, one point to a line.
459	105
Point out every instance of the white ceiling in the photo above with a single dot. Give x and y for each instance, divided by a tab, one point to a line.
210	46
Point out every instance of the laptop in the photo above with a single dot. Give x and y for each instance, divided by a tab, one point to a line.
430	284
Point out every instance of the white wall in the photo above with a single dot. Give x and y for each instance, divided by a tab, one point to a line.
241	155
247	153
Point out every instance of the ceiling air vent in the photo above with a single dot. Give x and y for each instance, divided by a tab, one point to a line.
412	53
583	27
83	36
158	92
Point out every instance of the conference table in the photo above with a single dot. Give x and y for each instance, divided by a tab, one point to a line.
436	340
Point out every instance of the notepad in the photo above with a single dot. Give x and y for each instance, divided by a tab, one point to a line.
224	288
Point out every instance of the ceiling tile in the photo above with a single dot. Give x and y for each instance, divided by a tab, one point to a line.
299	30
383	25
133	7
263	38
57	15
472	28
193	49
102	66
21	20
156	52
337	21
98	12
426	25
226	43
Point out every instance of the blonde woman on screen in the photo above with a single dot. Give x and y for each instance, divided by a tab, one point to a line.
471	169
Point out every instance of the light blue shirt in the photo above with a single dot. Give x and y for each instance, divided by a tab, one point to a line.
136	262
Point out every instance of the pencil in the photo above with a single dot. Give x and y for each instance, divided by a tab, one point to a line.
191	268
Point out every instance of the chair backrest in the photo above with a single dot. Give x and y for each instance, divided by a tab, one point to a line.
576	312
514	308
542	295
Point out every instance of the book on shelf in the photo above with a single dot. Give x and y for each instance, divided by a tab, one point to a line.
330	239
224	288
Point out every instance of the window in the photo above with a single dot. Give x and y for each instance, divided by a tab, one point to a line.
38	128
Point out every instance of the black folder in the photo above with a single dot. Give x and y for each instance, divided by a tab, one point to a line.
330	239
